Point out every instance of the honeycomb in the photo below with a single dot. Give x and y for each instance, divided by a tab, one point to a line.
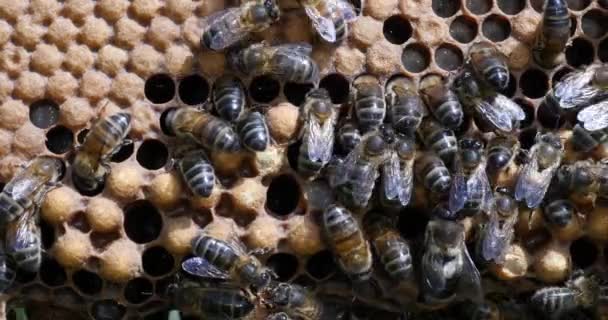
110	255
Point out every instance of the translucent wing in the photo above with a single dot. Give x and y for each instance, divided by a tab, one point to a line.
320	144
575	89
532	184
22	233
223	28
396	182
347	10
324	25
498	118
363	178
478	184
494	239
469	284
433	278
458	193
200	267
407	182
343	168
594	117
503	102
299	48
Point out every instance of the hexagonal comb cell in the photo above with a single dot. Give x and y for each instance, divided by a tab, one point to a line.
416	57
44	113
159	88
193	90
463	29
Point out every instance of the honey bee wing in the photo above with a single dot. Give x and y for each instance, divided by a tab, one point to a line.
347	10
227	35
344	167
200	267
432	274
324	26
575	89
492	244
503	102
458	193
469	284
478	183
363	183
407	182
498	118
20	232
391	174
320	142
298	48
532	184
594	117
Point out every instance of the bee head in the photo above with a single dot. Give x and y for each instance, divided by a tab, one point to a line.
551	140
321	108
471	151
52	167
272	9
583	177
375	145
505	205
499	80
406	149
559	212
280	295
600	78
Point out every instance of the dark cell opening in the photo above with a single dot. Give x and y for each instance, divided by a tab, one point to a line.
161	286
264	88
479	6
602	50
445	8
604	3
79	221
293	152
59	139
528	109
44	113
537	5
573	23
283	195
496	28
416	57
296	92
579	53
159	315
578	5
526	138
100	240
193	90
107	310
448	57
82	189
159	88
125	151
226	208
534	83
142	223
558	75
463	29
157	261
23	277
152	154
397	29
510	90
82	135
202	217
2	184
412	223
48	234
337	86
595	23
511	6
305	281
583	253
548	117
138	290
285	265
536	240
52	273
321	265
87	282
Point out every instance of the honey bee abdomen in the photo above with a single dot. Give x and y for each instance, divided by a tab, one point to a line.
254	132
340	224
450	113
217	135
554	300
307	167
226	303
397	260
444	143
556	16
9	208
7	272
200	178
437	179
229	103
217	252
371	110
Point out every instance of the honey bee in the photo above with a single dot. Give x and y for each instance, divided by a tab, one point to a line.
581	291
393	251
559	212
585	141
319	118
229	97
8	270
198	173
346	240
217	259
398	173
406	109
227	27
330	18
201	127
553	34
494	108
441	101
447	271
287	62
356	175
501	151
470	189
23	242
368	101
433	173
439	139
105	138
535	177
496	235
489	66
578	89
294	301
579	178
26	190
210	302
348	137
253	131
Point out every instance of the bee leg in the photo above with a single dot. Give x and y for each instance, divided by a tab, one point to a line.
260	251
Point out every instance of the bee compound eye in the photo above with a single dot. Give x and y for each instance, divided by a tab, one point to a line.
375	145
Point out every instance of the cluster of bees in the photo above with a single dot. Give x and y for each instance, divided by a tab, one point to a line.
370	151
